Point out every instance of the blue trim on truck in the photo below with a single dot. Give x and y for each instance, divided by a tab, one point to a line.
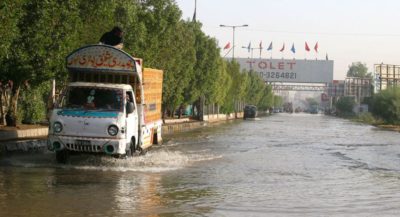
88	113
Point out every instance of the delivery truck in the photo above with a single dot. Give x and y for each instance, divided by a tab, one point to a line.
111	106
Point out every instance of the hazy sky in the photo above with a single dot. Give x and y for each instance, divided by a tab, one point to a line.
347	30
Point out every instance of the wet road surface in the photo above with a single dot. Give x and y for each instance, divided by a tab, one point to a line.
281	165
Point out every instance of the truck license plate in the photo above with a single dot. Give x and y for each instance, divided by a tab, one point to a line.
82	142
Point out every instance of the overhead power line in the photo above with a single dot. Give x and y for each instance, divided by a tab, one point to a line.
324	33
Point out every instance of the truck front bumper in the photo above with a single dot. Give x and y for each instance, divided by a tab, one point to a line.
109	146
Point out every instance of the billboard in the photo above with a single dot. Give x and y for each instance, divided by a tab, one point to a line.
286	70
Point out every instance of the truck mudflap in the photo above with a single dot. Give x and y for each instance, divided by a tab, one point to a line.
87	145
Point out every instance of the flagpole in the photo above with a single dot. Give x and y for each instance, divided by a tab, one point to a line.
228	52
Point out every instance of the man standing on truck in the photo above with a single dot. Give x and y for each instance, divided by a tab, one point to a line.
113	38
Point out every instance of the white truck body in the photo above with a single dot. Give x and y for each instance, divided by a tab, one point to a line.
104	109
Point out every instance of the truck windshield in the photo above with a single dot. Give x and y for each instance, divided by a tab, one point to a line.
94	98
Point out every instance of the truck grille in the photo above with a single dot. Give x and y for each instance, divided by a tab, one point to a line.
83	148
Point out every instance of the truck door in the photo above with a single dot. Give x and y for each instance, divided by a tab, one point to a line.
131	119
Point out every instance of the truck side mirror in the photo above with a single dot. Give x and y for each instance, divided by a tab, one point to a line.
130	107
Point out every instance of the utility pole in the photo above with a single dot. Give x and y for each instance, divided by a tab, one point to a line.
251	50
233	36
195	11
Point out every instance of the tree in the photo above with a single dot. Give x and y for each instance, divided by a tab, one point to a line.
255	89
358	70
38	51
267	100
164	41
278	101
238	89
222	84
345	105
312	102
386	105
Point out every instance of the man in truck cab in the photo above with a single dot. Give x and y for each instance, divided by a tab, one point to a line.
113	38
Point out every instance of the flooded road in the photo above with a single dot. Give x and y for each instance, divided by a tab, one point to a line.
282	165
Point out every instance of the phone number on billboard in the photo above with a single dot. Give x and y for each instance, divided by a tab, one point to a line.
277	75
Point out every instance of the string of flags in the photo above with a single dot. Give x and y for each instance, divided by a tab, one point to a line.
270	47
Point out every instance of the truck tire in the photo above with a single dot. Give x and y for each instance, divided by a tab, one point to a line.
132	148
62	156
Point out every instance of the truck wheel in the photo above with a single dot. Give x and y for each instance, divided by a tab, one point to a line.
132	148
62	156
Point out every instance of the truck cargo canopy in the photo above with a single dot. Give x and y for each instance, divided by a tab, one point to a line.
101	58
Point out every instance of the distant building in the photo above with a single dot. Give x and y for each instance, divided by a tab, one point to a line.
336	88
386	75
358	87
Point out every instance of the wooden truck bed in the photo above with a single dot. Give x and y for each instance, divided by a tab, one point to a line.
152	86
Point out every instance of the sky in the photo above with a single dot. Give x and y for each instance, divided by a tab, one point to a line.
347	31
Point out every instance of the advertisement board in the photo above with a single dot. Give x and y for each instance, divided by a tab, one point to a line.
290	70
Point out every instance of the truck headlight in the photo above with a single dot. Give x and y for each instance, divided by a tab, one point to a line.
57	127
112	130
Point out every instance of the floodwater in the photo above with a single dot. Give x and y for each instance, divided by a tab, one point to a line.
281	165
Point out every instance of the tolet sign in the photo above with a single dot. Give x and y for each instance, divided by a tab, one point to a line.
295	71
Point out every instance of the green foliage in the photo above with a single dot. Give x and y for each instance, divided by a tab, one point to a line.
367	117
211	78
359	70
278	101
267	100
10	13
345	105
37	35
32	107
255	90
312	102
222	81
386	105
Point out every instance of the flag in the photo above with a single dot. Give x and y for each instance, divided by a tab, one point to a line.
283	48
316	47
249	47
270	46
293	49
326	57
227	46
260	47
307	48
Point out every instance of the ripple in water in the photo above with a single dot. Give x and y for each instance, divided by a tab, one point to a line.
154	161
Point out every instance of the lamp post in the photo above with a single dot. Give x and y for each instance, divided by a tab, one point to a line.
233	33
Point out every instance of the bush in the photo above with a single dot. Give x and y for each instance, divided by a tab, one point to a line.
345	106
32	104
367	118
386	105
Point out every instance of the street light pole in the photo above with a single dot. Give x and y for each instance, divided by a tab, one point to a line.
233	36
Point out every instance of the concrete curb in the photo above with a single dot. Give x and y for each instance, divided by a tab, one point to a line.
24	146
182	127
7	135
